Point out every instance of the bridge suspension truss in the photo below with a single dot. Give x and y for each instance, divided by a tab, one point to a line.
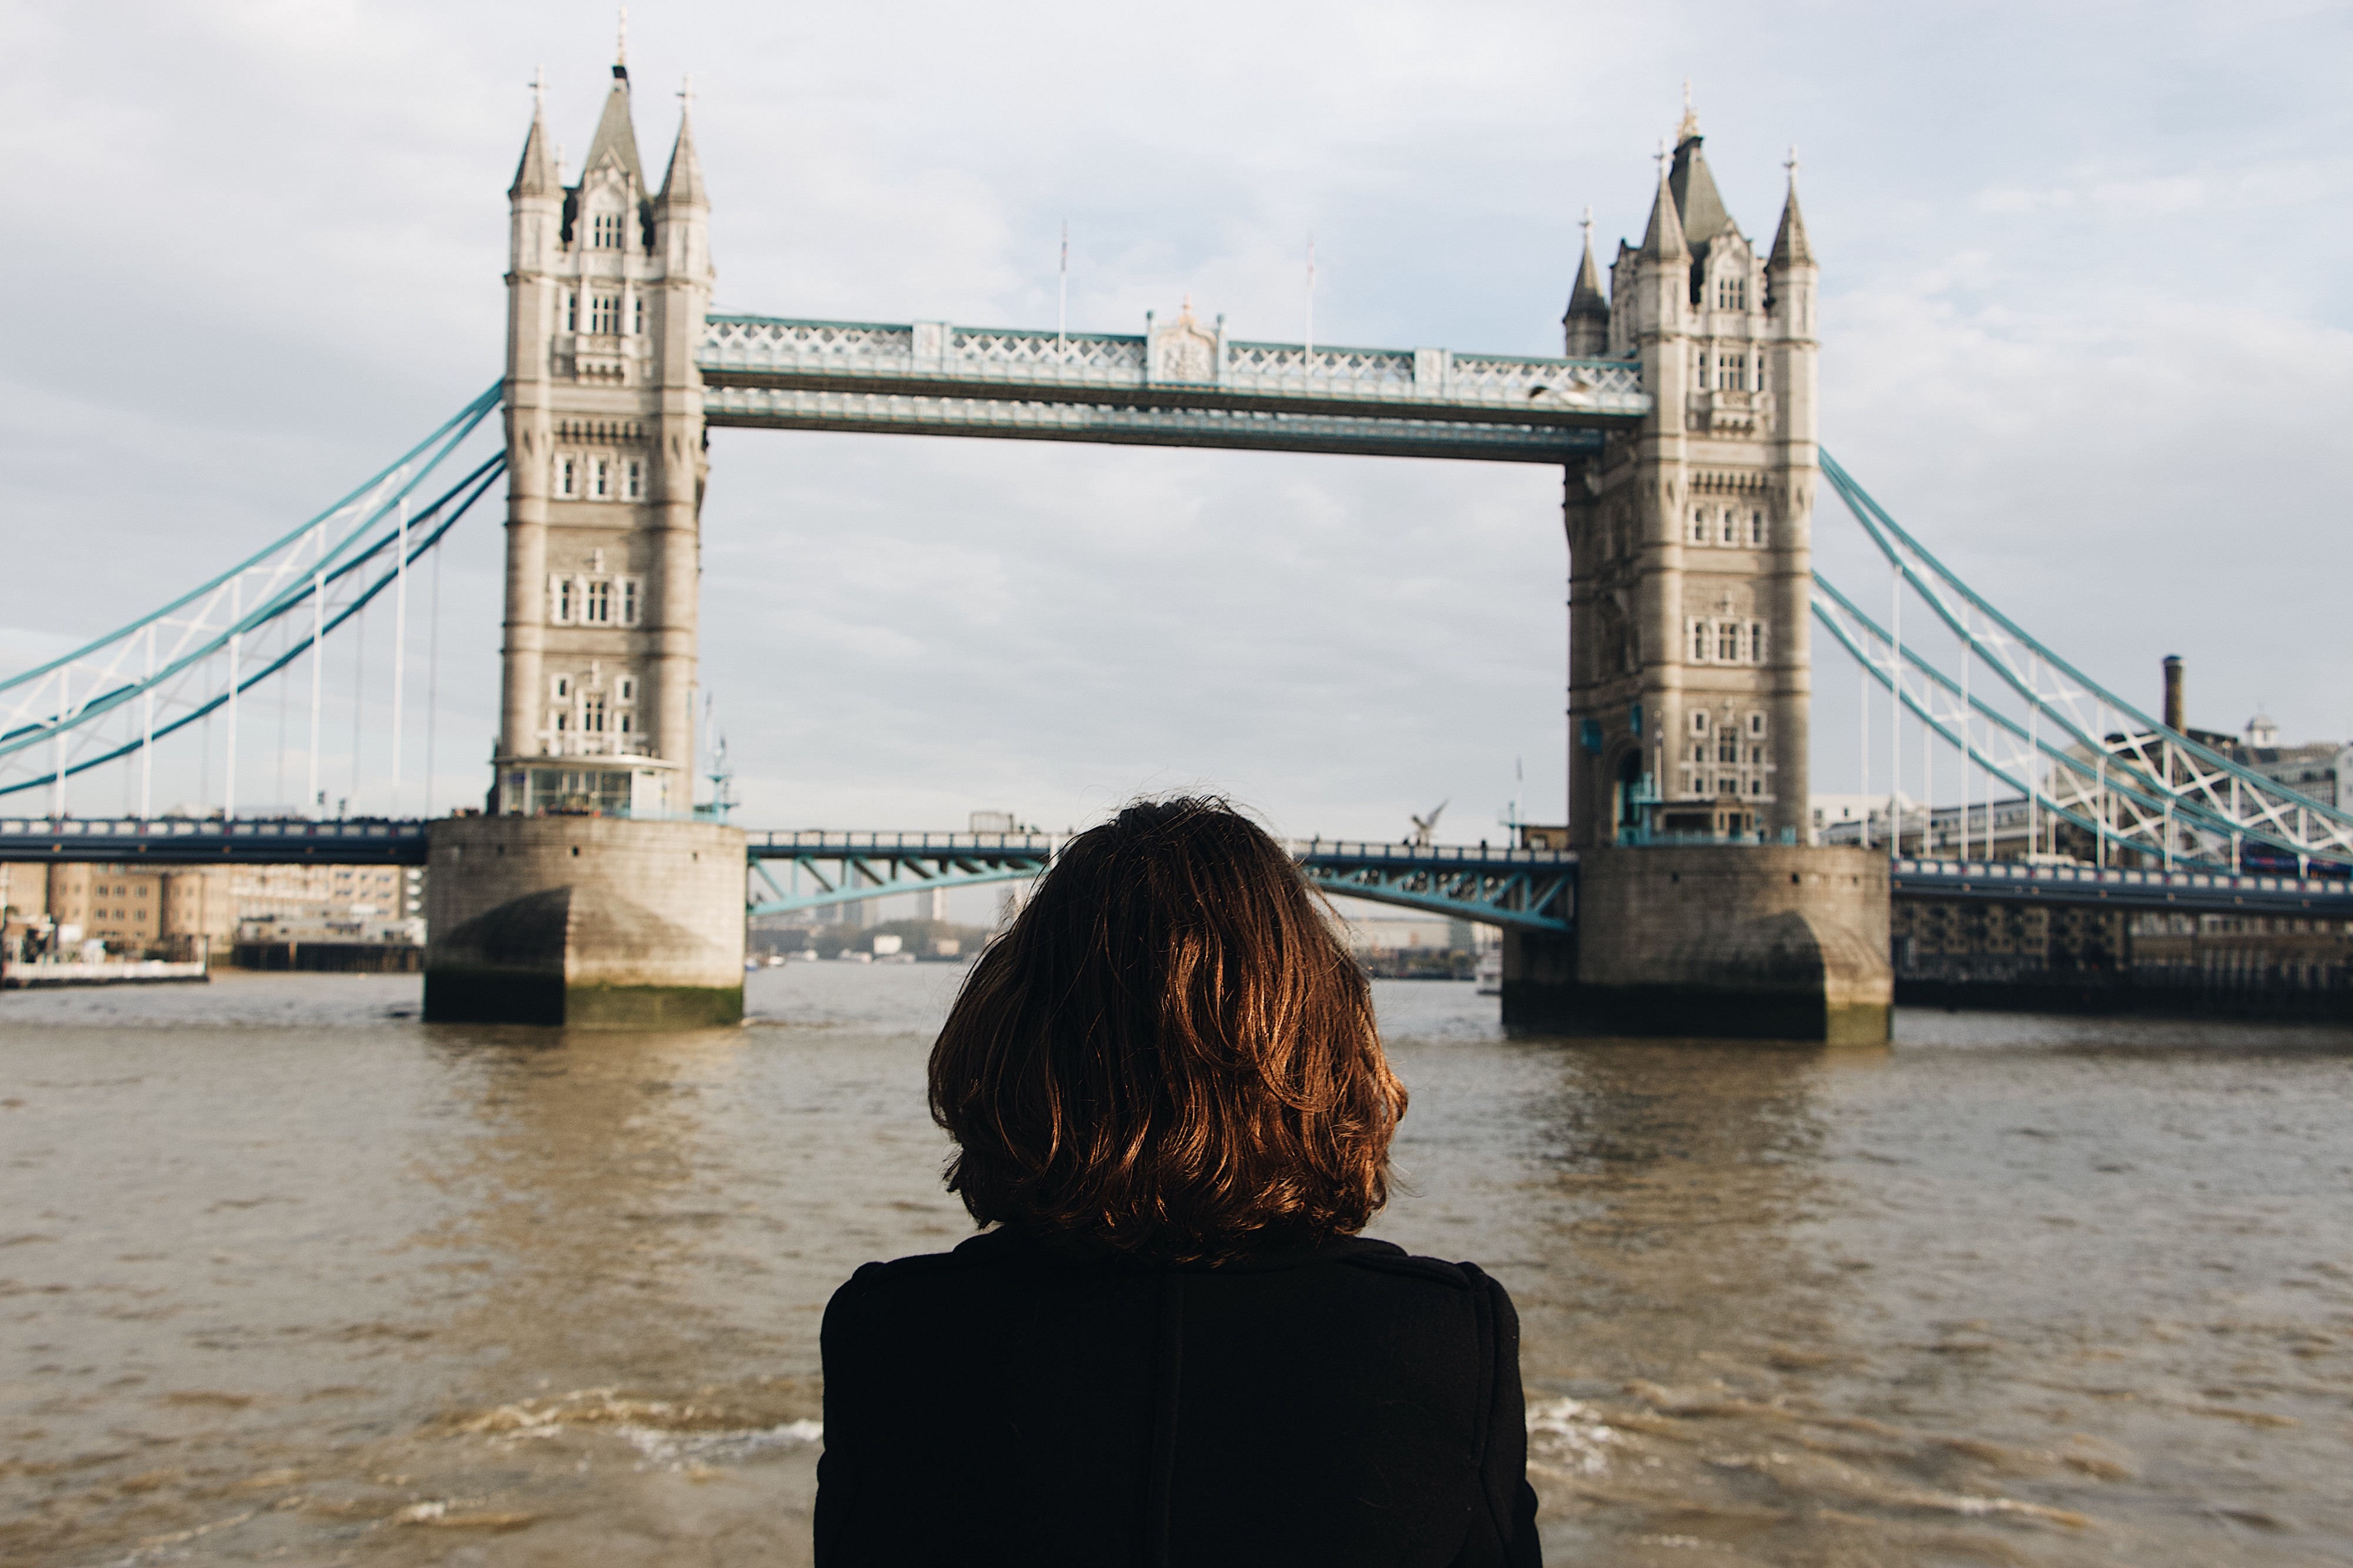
110	700
2075	753
1527	889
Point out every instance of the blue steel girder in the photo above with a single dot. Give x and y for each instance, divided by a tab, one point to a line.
210	841
2184	891
1526	890
881	865
1179	383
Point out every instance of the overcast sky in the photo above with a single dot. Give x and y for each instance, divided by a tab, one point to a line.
2084	309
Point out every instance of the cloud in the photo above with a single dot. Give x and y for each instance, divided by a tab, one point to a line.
265	244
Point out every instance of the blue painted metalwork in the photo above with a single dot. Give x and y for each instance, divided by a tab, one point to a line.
848	867
1529	889
1182	383
211	841
334	551
2014	881
2107	768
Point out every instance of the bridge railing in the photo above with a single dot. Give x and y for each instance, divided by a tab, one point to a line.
198	839
2189	890
998	362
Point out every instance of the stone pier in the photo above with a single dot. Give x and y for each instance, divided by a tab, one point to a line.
587	922
1745	941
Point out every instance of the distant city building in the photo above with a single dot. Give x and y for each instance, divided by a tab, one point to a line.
143	911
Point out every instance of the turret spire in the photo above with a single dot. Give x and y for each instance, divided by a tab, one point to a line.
1663	240
1586	297
537	174
1789	246
683	184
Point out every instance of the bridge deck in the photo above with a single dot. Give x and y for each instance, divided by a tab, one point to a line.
1182	385
2011	881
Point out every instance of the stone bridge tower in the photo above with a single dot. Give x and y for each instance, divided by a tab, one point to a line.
1689	539
608	284
588	897
1701	910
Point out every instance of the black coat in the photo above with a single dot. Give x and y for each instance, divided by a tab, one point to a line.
1020	1400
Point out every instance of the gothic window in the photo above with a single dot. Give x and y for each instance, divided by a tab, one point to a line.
637	315
635	477
596	603
1728	642
560	605
1699	655
600	477
563	721
567	474
1756	787
1732	293
1757	755
1756	529
604	231
561	687
592	714
1756	726
626	689
1698	724
604	313
1727	747
1728	528
571	312
1699	525
1756	642
623	723
629	598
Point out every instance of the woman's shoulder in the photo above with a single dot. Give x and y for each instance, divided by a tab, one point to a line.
1005	1247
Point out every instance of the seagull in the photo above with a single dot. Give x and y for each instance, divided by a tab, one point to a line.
1423	826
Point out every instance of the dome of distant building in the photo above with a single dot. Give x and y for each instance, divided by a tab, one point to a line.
2261	731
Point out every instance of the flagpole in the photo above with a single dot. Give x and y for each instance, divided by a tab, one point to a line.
1063	289
1310	300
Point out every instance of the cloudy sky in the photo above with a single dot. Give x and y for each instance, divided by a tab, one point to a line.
2084	302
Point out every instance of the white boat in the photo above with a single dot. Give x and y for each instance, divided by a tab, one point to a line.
1491	973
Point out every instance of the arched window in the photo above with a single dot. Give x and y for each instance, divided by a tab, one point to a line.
592	714
1728	642
604	313
1756	529
604	231
1699	525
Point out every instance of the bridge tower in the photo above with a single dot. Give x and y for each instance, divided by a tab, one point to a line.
587	896
1702	910
608	285
1689	539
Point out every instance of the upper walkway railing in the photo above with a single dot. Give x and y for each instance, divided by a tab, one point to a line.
1179	385
2011	881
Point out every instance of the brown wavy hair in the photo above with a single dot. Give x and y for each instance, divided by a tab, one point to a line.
1170	1053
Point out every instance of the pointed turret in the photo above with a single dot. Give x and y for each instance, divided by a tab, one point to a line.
1586	326
1663	240
1789	246
536	175
1696	201
682	184
615	136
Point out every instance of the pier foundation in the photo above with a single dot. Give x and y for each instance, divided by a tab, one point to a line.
1746	941
586	922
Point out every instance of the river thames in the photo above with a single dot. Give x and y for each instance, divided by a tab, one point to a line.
287	1275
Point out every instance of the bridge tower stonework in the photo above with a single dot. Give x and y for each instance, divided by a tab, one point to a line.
1703	907
608	284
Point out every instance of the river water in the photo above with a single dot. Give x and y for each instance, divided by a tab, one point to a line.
286	1275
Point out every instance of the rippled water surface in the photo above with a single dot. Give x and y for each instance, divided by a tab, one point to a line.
287	1275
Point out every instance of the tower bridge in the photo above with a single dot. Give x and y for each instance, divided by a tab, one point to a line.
1682	412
